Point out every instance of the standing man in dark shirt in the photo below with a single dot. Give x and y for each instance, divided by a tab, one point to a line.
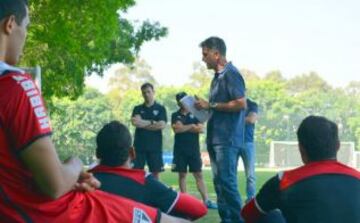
225	128
149	119
248	154
323	190
187	149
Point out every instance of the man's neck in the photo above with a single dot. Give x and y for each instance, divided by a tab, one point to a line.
221	65
184	111
150	103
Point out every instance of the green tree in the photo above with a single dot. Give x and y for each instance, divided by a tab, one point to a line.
76	123
71	39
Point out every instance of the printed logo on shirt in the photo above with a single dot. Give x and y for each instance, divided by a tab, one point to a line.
35	100
155	112
191	116
139	216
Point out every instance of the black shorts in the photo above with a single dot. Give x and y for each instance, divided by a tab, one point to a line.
182	160
153	159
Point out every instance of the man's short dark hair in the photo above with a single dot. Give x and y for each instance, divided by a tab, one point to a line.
214	43
113	144
180	95
13	7
319	137
147	85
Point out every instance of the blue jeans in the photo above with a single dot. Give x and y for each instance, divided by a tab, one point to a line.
248	156
224	160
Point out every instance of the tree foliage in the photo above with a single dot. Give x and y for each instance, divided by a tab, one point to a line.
283	104
71	39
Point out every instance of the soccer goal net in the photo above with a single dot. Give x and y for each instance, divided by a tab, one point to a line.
284	154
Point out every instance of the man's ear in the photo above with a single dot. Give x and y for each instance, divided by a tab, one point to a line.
337	146
9	24
304	156
132	153
97	154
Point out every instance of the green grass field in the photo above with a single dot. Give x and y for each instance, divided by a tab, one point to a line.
171	179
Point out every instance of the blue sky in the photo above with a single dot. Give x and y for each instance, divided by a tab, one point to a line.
293	36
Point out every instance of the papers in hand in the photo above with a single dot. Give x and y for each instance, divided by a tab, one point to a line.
189	103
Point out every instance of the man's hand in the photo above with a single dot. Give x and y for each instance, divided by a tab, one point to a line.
87	182
201	104
136	119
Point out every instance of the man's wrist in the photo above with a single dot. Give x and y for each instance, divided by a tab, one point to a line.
213	105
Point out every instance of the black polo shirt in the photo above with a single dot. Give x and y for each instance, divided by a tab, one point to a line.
146	140
186	142
325	191
136	185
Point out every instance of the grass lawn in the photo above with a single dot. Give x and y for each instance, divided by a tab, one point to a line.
171	179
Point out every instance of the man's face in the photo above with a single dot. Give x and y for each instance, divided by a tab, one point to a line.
148	94
210	57
16	39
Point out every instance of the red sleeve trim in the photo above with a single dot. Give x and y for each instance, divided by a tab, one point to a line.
252	212
133	174
32	140
316	168
190	206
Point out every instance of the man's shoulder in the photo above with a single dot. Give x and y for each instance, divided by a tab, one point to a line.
158	105
175	113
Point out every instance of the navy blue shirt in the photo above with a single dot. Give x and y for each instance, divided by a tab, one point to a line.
227	128
147	140
252	107
136	185
186	142
324	191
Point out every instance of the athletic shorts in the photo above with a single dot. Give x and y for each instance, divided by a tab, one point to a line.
182	161
153	159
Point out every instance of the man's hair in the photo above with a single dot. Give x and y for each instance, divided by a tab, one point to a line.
180	95
214	43
113	144
13	7
319	137
147	85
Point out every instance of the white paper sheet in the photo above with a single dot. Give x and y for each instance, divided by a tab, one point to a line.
189	103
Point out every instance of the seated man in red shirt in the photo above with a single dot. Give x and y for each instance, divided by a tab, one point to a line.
35	186
115	151
323	190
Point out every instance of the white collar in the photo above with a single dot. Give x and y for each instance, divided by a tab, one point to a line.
6	67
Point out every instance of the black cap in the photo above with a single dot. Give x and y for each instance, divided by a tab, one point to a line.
180	95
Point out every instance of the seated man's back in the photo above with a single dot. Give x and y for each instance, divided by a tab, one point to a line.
136	185
324	191
115	151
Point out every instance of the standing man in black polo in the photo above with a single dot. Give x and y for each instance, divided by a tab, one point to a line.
149	119
187	149
225	128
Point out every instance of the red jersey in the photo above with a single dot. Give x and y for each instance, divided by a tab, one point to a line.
23	120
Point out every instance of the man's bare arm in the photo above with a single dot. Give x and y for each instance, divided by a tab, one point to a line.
251	118
53	177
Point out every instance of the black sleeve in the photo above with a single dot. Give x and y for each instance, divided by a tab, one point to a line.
268	197
136	111
159	195
174	118
162	115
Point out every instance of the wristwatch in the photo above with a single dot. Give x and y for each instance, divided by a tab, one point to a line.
213	105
